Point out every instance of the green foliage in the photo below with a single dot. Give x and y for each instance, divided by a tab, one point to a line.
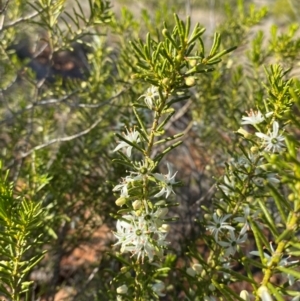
21	222
75	76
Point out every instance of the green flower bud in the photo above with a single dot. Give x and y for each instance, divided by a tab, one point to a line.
207	216
190	81
191	272
244	133
136	204
123	289
198	267
165	31
121	201
166	81
219	212
245	295
254	149
192	63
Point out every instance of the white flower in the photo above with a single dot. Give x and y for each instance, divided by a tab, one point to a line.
123	187
273	142
166	182
219	223
283	262
123	289
254	117
132	136
196	269
158	287
245	295
264	294
141	234
231	244
150	95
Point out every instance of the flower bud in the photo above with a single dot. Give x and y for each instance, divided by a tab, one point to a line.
123	269
164	31
192	63
219	212
123	289
291	197
245	295
264	294
137	204
190	81
191	272
120	201
164	228
254	149
197	267
161	212
244	133
207	216
166	81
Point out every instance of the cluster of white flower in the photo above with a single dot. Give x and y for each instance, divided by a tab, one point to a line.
241	167
143	234
272	141
142	230
230	240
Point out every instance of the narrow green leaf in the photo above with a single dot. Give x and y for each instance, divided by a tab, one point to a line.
165	121
286	234
167	35
269	219
223	53
275	292
139	53
280	202
197	32
180	26
169	138
187	27
129	142
122	162
156	52
167	150
33	262
216	44
260	238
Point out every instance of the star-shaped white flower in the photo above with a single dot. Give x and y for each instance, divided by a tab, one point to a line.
218	224
283	262
141	234
166	182
123	187
232	242
272	142
254	117
132	136
150	95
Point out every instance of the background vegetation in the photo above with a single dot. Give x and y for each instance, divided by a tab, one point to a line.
66	85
